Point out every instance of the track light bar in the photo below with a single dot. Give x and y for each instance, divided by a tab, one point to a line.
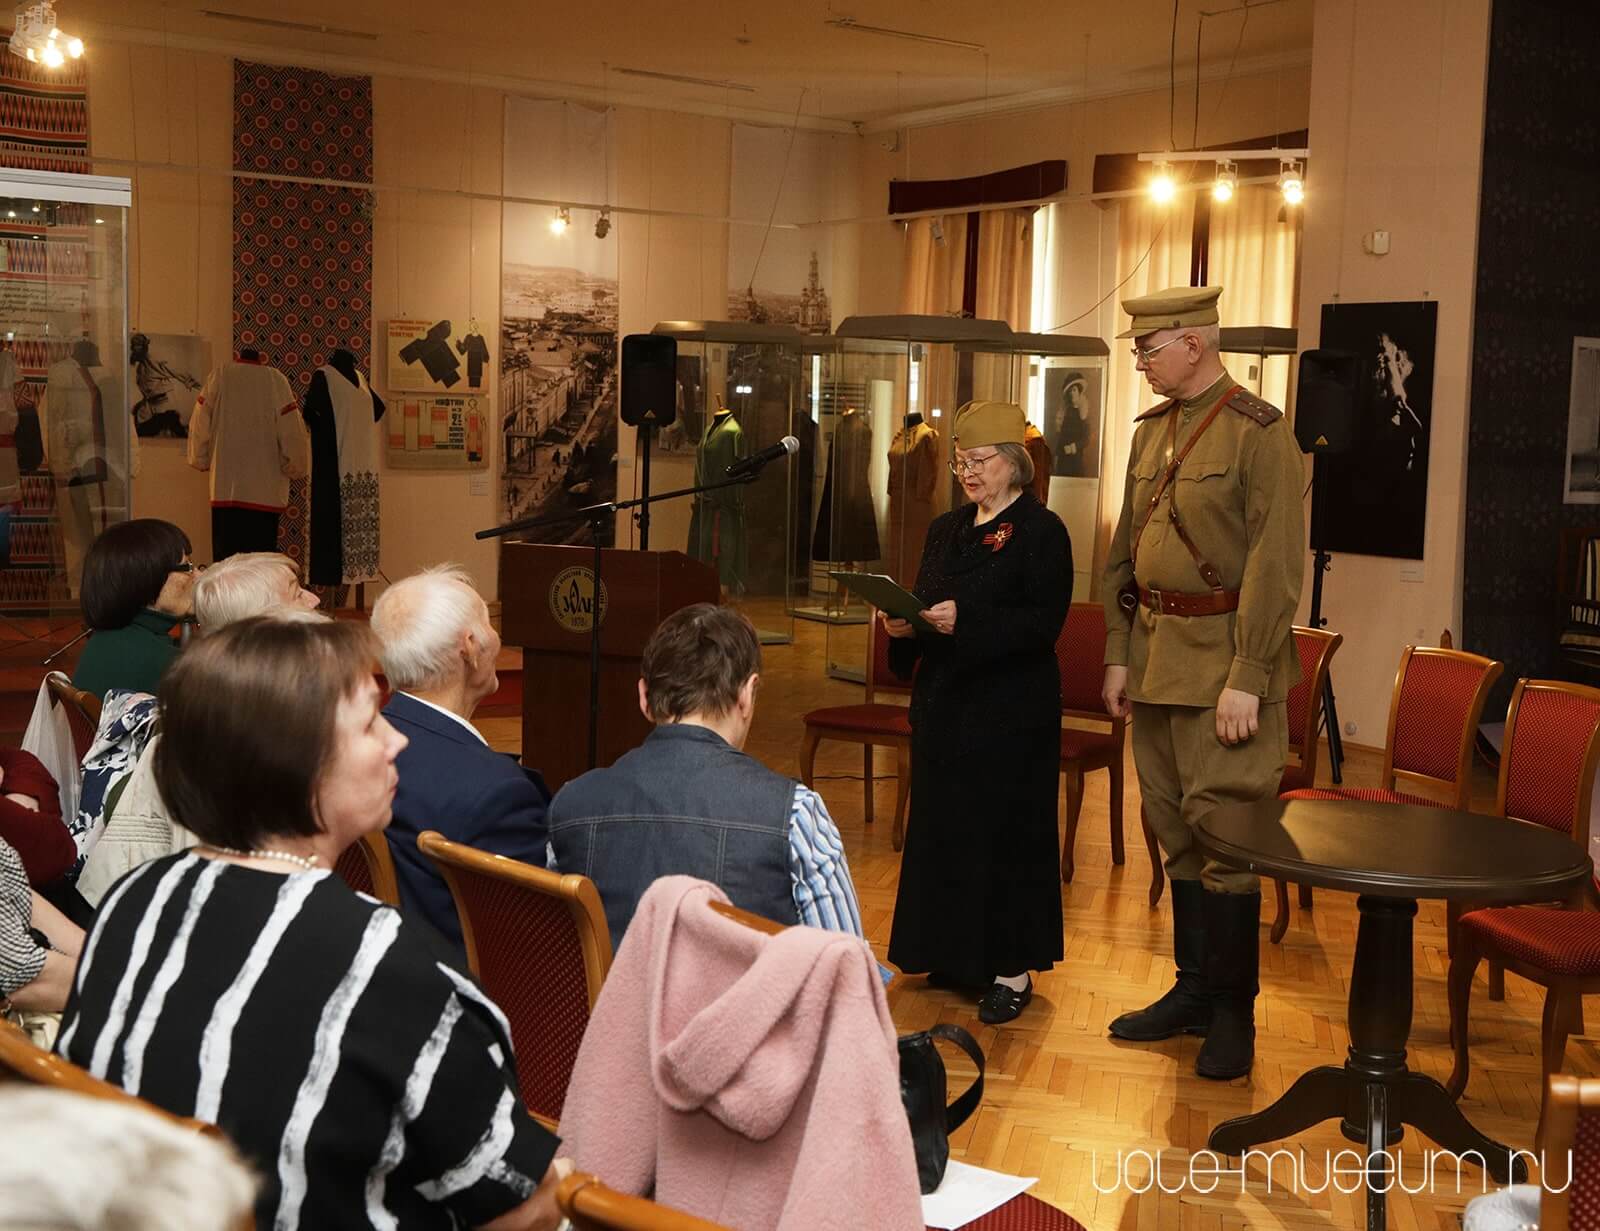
850	23
682	80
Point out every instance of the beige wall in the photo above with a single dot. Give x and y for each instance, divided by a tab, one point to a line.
1397	138
435	252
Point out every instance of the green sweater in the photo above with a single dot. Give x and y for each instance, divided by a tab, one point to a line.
133	657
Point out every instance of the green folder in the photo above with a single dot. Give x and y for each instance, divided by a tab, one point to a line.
887	595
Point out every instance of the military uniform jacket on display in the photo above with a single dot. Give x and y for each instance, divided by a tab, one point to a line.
1239	495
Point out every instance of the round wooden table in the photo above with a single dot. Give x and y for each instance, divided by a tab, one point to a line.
1390	855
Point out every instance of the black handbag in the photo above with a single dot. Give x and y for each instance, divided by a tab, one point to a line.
923	1091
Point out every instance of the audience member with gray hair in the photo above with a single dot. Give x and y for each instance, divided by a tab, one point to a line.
246	585
438	650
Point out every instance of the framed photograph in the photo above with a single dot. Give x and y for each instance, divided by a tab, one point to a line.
1373	500
168	371
1583	424
1072	408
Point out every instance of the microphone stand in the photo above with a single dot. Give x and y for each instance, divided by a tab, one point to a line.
596	515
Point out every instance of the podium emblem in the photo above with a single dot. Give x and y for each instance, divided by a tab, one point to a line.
572	599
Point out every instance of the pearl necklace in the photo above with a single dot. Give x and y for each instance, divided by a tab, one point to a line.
308	862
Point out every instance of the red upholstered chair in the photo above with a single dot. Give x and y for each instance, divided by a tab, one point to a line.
538	942
1547	772
1081	652
1571	1129
367	866
1433	725
82	710
1315	648
872	724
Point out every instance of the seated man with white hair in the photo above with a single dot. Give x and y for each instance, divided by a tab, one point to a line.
245	585
438	651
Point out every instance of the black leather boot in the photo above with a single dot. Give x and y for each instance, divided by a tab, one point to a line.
1185	1009
1233	963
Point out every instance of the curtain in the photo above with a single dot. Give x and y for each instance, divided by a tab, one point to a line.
1254	258
931	273
1005	267
1152	254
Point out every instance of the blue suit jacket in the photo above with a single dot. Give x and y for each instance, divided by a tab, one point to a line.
451	782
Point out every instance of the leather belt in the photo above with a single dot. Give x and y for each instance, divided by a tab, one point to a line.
1170	602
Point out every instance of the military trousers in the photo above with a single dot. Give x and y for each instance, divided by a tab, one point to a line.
1185	771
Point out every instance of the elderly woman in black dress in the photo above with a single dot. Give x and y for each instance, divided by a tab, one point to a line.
980	902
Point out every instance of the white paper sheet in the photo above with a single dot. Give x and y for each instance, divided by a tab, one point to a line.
968	1193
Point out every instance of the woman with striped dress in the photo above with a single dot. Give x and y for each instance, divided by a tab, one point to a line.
242	983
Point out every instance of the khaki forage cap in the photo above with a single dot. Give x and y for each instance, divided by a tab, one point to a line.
989	423
1174	308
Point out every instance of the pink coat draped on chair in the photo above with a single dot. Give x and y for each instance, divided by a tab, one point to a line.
749	1079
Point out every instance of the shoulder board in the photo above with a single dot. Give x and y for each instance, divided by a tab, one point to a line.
1155	412
1264	413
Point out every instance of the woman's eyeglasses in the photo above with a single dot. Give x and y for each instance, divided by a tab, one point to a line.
970	465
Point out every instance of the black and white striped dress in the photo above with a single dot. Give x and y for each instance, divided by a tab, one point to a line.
368	1082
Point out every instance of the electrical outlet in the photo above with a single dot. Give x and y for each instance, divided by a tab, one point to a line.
1350	728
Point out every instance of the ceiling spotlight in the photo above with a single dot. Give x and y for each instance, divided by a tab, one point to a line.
1162	186
562	220
602	224
11	213
1226	183
99	222
36	207
36	37
1292	183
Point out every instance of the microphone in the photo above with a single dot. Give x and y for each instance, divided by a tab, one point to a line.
758	461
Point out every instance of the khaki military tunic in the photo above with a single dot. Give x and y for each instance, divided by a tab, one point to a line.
1239	494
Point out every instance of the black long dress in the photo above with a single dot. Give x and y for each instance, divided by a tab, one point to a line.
980	893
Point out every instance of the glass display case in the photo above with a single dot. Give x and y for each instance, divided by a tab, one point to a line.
64	407
1269	370
882	391
738	385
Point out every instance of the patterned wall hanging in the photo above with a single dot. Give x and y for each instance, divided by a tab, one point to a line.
302	253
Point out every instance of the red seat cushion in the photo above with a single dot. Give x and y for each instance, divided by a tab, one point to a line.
871	719
1564	942
1367	795
1078	745
1294	779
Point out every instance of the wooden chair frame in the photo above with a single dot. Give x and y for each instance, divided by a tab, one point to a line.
577	893
86	705
816	732
373	850
1307	747
591	1206
1565	1098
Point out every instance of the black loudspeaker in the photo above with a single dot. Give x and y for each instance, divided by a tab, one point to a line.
649	379
1326	399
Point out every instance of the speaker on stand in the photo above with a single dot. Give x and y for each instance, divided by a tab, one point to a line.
1325	423
649	402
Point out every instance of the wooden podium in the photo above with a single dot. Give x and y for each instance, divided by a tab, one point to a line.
546	598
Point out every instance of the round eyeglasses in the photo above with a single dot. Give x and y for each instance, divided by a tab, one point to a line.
970	465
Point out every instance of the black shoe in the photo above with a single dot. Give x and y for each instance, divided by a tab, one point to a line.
1233	963
1001	1004
1185	1009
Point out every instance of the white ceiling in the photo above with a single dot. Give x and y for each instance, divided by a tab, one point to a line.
1034	50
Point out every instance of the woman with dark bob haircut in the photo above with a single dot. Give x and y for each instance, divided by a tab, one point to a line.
137	585
244	984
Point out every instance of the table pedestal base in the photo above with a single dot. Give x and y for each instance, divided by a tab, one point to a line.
1373	1095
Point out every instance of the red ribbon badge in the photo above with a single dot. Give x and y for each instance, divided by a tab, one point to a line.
999	537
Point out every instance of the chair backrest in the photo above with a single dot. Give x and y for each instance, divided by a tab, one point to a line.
82	710
20	1060
1433	718
880	676
1548	758
591	1206
367	866
538	942
1569	1198
1081	655
1315	648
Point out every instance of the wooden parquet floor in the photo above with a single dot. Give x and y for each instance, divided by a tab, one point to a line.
1065	1102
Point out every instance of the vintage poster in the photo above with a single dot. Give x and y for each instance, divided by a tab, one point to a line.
779	268
438	433
429	356
1072	403
168	371
558	324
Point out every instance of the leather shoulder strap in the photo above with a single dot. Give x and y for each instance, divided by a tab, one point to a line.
1155	412
1249	405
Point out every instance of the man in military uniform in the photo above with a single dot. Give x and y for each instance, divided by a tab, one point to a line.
1200	592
